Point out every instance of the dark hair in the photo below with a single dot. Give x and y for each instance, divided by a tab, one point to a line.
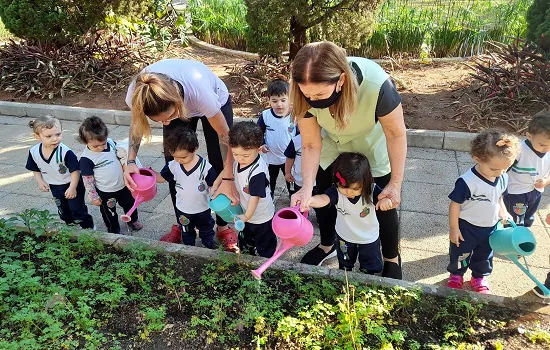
247	135
353	168
181	139
92	128
492	143
277	87
540	124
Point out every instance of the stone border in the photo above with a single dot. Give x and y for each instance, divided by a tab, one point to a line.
119	242
447	140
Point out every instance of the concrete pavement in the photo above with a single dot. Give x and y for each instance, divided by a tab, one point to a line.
429	177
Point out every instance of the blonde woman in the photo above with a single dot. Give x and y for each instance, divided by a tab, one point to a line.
348	104
178	93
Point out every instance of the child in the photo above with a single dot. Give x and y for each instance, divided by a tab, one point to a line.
293	164
355	196
102	173
529	173
278	127
477	206
55	168
194	177
245	140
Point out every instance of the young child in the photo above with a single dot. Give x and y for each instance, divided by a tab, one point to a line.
245	140
293	164
529	173
102	173
194	177
355	196
278	127
477	206
55	168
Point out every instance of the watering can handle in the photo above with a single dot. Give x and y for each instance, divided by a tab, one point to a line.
305	213
499	224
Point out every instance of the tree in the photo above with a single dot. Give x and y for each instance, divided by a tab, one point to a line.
277	25
538	23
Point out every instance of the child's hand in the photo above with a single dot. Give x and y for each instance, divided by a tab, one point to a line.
70	193
97	202
44	187
384	204
455	236
541	183
264	149
505	216
289	177
242	217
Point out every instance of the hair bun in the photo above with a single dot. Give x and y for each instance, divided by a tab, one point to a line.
504	142
31	124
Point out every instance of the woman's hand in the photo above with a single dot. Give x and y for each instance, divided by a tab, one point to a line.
226	187
392	191
301	197
130	169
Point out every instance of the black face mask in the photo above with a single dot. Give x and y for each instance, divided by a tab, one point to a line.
326	102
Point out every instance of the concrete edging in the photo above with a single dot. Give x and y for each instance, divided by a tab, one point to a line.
447	140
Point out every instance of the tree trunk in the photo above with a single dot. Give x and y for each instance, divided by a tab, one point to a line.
298	32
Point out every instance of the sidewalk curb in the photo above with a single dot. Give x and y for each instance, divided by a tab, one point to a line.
447	140
119	242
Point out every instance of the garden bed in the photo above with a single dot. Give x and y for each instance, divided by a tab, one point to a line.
58	293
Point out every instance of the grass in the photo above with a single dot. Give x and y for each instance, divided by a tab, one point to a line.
4	33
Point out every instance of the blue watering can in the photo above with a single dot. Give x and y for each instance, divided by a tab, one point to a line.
515	241
221	205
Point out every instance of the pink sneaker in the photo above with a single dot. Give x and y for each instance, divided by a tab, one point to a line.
480	285
455	281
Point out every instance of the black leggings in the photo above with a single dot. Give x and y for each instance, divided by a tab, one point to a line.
215	156
388	220
273	174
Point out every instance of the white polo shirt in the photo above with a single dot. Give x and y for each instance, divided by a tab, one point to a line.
57	169
252	180
527	169
278	133
104	166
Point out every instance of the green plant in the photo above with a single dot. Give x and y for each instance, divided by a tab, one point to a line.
153	321
538	19
538	335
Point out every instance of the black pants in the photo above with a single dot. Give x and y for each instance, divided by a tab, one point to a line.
388	220
108	207
202	221
523	207
370	259
474	252
72	211
212	146
258	238
273	174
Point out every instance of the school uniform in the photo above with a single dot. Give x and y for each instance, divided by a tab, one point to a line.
192	199
358	231
257	234
278	132
479	214
56	172
107	171
522	199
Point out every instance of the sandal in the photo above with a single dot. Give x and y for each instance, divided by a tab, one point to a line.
228	238
480	285
455	281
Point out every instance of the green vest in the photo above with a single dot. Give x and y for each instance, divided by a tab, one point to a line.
362	134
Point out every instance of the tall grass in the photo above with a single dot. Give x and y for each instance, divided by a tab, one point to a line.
220	22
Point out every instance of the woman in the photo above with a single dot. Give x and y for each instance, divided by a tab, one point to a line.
177	93
348	105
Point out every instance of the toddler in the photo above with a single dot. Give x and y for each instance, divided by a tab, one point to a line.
245	140
477	206
278	128
194	176
55	168
355	196
102	173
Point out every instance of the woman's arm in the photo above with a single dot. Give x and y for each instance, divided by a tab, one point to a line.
393	125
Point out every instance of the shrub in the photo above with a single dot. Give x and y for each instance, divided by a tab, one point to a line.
60	21
538	23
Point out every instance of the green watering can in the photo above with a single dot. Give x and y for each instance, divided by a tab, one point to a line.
515	241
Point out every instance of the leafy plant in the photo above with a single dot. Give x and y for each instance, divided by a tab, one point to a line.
538	19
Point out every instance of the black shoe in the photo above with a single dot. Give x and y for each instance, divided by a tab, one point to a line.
393	270
317	255
538	292
210	244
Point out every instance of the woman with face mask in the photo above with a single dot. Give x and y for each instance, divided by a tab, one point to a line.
348	104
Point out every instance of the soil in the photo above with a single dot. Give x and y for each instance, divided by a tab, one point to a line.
431	92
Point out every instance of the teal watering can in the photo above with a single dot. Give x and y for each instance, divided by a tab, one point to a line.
221	205
515	241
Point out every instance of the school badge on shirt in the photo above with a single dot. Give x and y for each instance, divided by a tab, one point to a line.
246	190
291	128
202	187
62	169
364	212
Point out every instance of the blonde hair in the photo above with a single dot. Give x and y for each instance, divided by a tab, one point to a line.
323	63
44	122
491	143
154	93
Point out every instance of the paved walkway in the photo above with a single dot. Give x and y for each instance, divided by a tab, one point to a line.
430	175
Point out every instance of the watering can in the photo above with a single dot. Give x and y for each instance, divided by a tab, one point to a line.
221	205
146	189
293	229
515	241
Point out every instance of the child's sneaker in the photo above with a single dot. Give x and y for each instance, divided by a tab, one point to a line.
538	292
228	238
480	285
455	281
135	226
174	236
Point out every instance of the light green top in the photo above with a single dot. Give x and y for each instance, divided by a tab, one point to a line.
362	134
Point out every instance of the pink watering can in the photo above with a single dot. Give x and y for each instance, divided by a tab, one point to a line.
146	189
293	229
